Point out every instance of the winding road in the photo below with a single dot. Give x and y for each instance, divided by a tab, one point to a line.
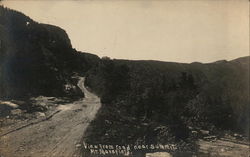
58	136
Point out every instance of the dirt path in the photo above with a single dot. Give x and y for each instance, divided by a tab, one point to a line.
57	136
223	148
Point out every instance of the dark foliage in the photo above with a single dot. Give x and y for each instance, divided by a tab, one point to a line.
151	101
37	59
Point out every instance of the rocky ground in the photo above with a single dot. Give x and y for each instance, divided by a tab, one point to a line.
57	131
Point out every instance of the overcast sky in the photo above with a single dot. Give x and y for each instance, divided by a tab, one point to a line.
167	30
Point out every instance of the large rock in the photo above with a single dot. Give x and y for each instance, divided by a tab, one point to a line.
40	114
16	112
6	108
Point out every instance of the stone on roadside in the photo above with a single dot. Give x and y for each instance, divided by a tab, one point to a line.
11	104
16	112
204	132
78	145
40	114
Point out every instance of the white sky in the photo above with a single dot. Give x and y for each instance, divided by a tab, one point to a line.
167	30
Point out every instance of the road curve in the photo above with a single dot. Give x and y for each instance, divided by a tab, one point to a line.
59	136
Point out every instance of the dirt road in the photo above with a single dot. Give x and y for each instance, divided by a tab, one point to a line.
58	135
223	148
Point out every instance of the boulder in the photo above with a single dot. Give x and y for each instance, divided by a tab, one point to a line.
40	114
16	112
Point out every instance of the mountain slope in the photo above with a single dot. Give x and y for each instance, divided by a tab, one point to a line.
36	59
153	101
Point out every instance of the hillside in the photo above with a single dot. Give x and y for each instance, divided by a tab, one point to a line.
159	102
37	59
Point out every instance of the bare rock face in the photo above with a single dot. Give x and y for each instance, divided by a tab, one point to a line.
158	154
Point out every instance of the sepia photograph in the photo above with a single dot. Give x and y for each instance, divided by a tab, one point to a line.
124	78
